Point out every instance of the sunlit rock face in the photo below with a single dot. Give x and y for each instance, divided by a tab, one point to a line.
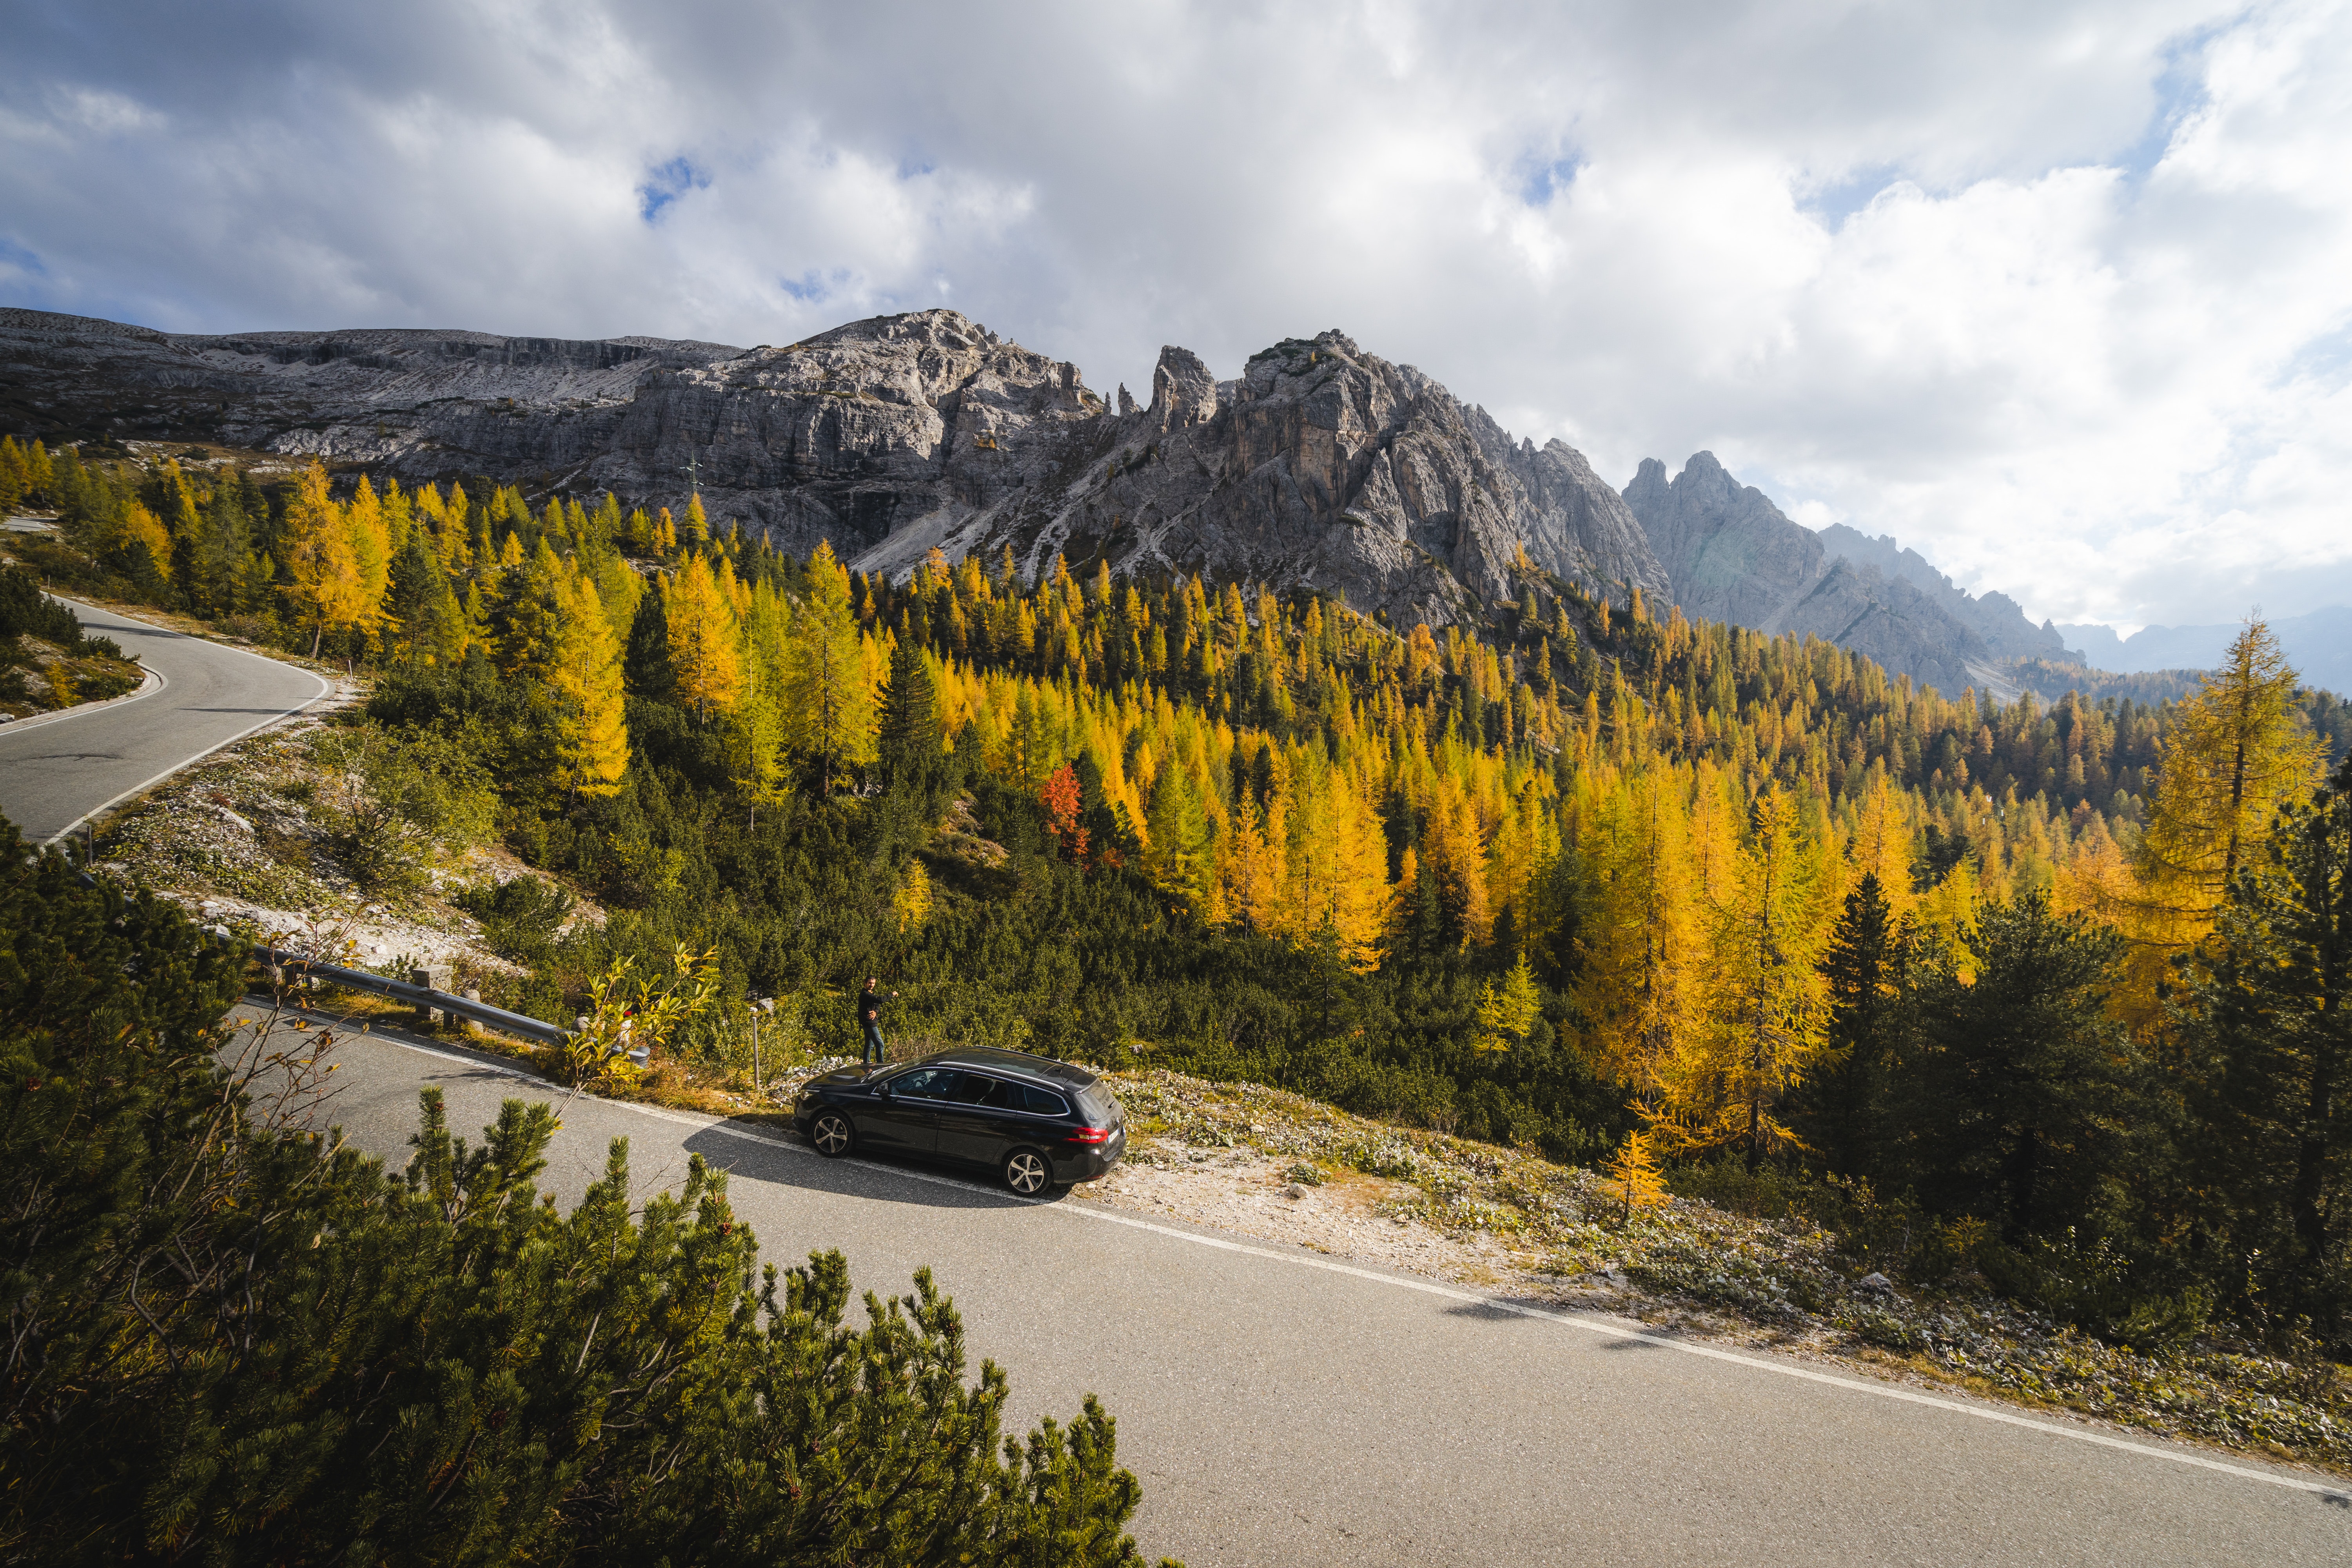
1320	466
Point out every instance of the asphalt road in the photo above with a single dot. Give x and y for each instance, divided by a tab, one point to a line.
55	769
1282	1408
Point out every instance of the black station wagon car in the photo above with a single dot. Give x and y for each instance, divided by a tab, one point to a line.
1037	1122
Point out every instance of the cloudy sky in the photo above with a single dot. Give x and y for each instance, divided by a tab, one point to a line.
2059	293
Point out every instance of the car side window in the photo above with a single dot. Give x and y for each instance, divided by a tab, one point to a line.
930	1083
1044	1104
1004	1096
973	1089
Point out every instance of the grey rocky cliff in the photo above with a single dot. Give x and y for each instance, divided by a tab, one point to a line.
1727	552
1321	465
1731	555
1996	617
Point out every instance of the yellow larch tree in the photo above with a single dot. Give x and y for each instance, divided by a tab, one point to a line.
1638	985
620	590
757	741
1508	1012
830	702
1335	864
1177	853
400	519
2234	753
1453	850
910	899
1253	869
583	670
371	551
1882	843
1635	1173
1526	838
704	658
317	541
143	528
1767	1001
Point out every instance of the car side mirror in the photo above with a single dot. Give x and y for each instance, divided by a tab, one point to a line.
883	1088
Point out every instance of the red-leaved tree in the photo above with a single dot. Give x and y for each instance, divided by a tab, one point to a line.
1060	797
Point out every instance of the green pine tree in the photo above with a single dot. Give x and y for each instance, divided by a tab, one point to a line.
1863	967
645	664
431	623
2022	1096
909	738
2270	1096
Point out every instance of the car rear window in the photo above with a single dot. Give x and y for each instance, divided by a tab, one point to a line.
1099	1104
1006	1095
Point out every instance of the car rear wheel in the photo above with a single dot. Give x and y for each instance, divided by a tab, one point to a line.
1027	1172
831	1134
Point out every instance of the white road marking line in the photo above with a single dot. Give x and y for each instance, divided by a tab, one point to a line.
153	681
1589	1323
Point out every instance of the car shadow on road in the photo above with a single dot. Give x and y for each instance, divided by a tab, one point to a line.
917	1183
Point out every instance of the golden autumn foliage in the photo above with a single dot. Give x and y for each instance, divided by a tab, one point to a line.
910	900
322	559
1636	1178
2233	754
703	657
583	669
829	679
1508	1012
1627	834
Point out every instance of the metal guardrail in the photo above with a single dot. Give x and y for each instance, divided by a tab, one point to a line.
294	965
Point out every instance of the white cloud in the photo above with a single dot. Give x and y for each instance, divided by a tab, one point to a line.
2058	294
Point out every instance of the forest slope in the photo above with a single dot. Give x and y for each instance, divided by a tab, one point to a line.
1568	873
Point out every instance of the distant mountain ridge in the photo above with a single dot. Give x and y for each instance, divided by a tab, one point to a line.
1733	556
2318	644
1996	617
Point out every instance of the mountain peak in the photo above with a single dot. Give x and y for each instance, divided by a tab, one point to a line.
1733	556
1184	391
1322	466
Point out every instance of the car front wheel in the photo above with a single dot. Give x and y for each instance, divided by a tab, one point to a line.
1027	1172
831	1134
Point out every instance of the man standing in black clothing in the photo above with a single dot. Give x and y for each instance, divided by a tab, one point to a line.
869	1014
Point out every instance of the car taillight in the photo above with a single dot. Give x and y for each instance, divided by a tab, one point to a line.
1089	1134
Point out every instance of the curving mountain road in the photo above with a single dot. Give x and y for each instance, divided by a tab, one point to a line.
57	769
1280	1408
